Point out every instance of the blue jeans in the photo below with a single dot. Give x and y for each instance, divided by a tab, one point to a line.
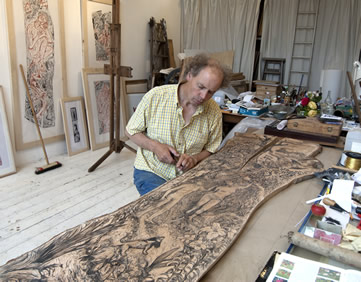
146	181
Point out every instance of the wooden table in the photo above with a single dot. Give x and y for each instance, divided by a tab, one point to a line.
267	229
229	120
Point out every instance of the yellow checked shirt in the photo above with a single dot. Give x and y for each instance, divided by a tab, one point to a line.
159	116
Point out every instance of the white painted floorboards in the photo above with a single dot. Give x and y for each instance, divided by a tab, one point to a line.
35	208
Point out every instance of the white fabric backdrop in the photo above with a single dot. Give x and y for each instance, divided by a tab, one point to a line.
337	41
222	25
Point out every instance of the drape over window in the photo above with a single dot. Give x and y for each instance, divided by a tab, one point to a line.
222	25
337	41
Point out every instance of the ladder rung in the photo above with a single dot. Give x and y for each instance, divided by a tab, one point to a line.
272	72
299	71
308	42
305	27
307	13
301	57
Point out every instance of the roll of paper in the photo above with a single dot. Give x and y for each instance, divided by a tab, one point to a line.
331	81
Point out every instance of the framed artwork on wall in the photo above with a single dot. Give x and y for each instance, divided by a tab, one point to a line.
36	42
96	18
75	127
97	102
7	163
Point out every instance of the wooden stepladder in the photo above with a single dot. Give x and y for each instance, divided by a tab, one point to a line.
115	70
159	52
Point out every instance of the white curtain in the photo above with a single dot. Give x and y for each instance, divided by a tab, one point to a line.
222	25
337	41
278	27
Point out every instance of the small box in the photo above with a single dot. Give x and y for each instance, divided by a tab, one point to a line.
263	86
254	112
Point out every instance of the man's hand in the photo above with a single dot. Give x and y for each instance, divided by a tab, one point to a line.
186	162
166	154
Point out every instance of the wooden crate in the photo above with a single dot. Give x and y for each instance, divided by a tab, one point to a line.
313	125
263	86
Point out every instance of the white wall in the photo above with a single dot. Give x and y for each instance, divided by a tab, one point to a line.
135	15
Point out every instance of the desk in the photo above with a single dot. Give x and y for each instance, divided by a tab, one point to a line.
267	229
229	120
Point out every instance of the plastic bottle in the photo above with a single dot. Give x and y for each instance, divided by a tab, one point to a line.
267	99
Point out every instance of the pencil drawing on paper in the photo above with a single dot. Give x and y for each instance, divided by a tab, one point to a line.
101	27
39	32
102	96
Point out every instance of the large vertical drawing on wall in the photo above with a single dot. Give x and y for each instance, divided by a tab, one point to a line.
96	18
39	31
102	97
36	42
97	100
101	26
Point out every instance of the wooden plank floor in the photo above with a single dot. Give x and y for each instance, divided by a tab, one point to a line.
34	208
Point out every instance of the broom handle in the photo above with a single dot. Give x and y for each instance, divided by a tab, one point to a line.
34	113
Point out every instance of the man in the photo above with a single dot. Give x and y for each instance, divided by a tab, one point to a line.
177	126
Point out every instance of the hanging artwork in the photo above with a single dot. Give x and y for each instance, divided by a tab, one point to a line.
97	101
76	132
7	163
35	29
97	17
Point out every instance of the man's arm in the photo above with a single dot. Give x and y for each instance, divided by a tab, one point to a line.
162	151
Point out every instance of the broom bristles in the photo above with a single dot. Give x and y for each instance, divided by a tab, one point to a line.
47	167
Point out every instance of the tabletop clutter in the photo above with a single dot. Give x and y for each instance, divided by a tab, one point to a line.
302	114
336	213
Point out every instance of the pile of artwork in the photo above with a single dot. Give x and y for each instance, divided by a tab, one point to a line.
178	231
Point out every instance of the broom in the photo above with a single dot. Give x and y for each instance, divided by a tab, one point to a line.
48	166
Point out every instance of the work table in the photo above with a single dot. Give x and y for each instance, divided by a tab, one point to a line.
267	229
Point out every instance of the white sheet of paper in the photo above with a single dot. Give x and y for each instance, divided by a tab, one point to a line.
247	98
341	193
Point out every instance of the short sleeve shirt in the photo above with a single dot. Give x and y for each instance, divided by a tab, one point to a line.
159	116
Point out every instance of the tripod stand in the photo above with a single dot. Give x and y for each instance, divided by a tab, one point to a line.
115	70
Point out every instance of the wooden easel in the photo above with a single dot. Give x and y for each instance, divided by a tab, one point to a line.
114	69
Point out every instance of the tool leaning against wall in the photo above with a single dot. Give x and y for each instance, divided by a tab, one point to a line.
48	166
